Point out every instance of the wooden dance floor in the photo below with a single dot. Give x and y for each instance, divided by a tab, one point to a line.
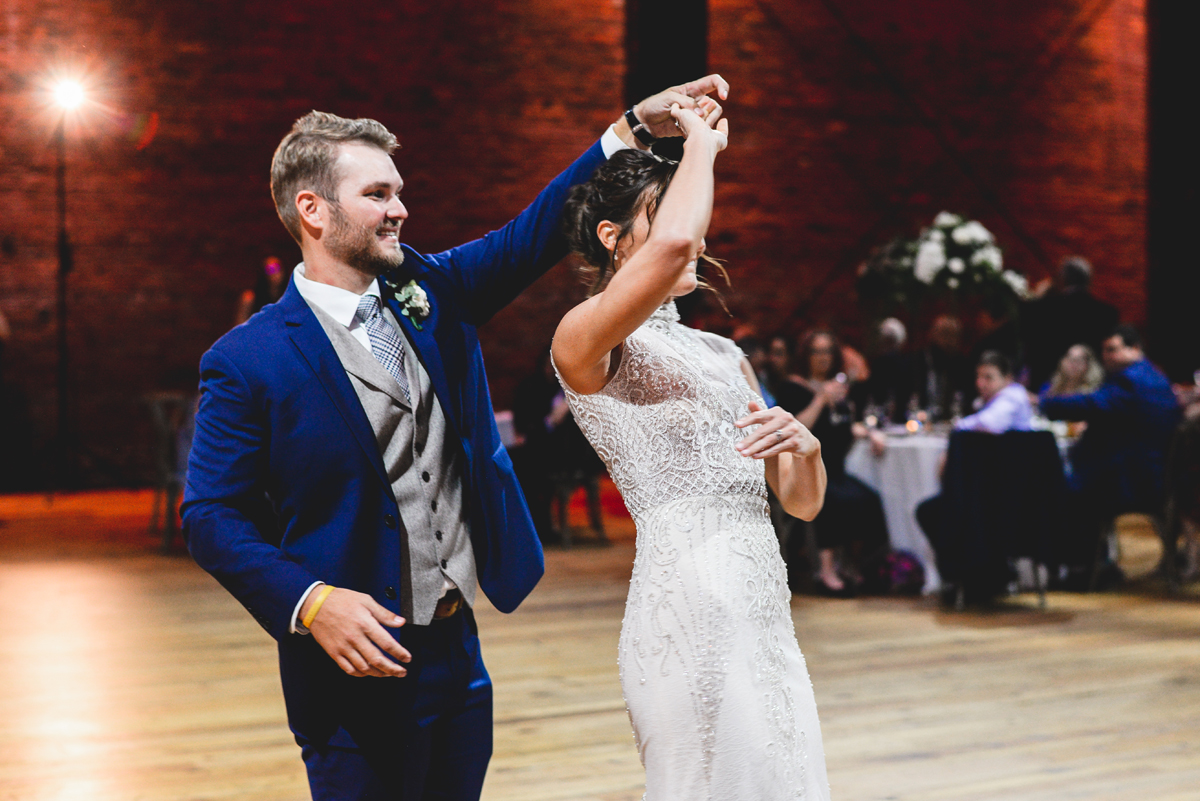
130	676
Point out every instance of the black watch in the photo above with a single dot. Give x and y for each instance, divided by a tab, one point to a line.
639	129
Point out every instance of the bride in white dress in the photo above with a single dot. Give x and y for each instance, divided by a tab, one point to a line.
718	693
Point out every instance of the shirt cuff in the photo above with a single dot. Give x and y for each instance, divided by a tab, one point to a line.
610	143
296	627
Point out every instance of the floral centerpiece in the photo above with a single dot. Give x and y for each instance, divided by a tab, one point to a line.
954	257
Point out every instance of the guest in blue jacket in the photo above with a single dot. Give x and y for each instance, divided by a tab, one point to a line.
1118	463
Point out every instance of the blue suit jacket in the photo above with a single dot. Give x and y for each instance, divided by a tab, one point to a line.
1121	456
286	485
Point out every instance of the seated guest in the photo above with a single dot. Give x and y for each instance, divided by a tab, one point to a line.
778	364
890	384
855	365
852	519
1003	405
941	370
1118	463
1079	373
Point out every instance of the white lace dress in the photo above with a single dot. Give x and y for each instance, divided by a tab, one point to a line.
718	693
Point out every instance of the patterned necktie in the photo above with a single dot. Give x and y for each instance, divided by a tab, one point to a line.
386	343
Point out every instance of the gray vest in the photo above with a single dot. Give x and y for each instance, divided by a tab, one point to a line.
424	467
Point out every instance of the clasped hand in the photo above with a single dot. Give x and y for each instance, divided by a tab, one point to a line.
778	432
705	122
658	112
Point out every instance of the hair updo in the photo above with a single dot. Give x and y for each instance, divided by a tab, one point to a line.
618	191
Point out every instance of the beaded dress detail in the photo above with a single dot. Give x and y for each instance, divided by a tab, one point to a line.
718	692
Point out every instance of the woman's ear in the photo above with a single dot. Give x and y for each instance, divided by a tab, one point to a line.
607	232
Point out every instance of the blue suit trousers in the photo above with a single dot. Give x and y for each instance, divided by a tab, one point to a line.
440	747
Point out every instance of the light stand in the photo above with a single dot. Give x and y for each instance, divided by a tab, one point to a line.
68	96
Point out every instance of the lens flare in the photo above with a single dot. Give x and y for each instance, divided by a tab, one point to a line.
68	94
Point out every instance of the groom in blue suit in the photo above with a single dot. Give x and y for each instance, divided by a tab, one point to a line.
347	483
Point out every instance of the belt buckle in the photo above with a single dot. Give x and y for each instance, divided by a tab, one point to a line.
448	606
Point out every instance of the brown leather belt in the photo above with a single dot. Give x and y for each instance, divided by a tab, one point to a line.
448	605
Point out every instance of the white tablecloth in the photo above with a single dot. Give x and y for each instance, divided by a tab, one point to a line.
905	475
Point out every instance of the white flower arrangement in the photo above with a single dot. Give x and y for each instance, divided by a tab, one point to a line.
1018	282
954	256
931	258
414	302
988	256
971	233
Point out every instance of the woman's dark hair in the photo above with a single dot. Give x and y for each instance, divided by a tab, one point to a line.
994	358
803	358
617	192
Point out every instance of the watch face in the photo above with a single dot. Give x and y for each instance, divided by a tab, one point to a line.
668	148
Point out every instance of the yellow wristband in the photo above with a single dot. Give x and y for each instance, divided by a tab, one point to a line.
322	594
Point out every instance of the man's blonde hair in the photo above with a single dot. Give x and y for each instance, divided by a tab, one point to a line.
305	159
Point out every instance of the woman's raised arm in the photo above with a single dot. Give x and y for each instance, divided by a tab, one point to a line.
649	270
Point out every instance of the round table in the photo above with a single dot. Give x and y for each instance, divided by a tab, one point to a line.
905	475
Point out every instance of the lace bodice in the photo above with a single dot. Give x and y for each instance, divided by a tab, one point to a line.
664	424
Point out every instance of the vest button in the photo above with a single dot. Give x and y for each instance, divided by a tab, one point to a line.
443	564
390	592
438	534
425	476
433	505
389	521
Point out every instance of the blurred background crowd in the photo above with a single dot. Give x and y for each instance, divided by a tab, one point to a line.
1061	366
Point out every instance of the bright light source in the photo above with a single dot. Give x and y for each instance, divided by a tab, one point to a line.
68	95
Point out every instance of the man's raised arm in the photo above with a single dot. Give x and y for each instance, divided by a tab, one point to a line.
494	269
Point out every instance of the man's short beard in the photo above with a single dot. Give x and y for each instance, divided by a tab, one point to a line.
358	246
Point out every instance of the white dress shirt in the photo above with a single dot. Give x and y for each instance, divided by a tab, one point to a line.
1008	410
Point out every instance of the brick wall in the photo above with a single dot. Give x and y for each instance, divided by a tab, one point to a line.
859	120
854	120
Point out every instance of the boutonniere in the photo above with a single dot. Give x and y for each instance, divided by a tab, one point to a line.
414	303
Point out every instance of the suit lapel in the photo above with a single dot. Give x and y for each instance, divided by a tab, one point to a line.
358	361
313	344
